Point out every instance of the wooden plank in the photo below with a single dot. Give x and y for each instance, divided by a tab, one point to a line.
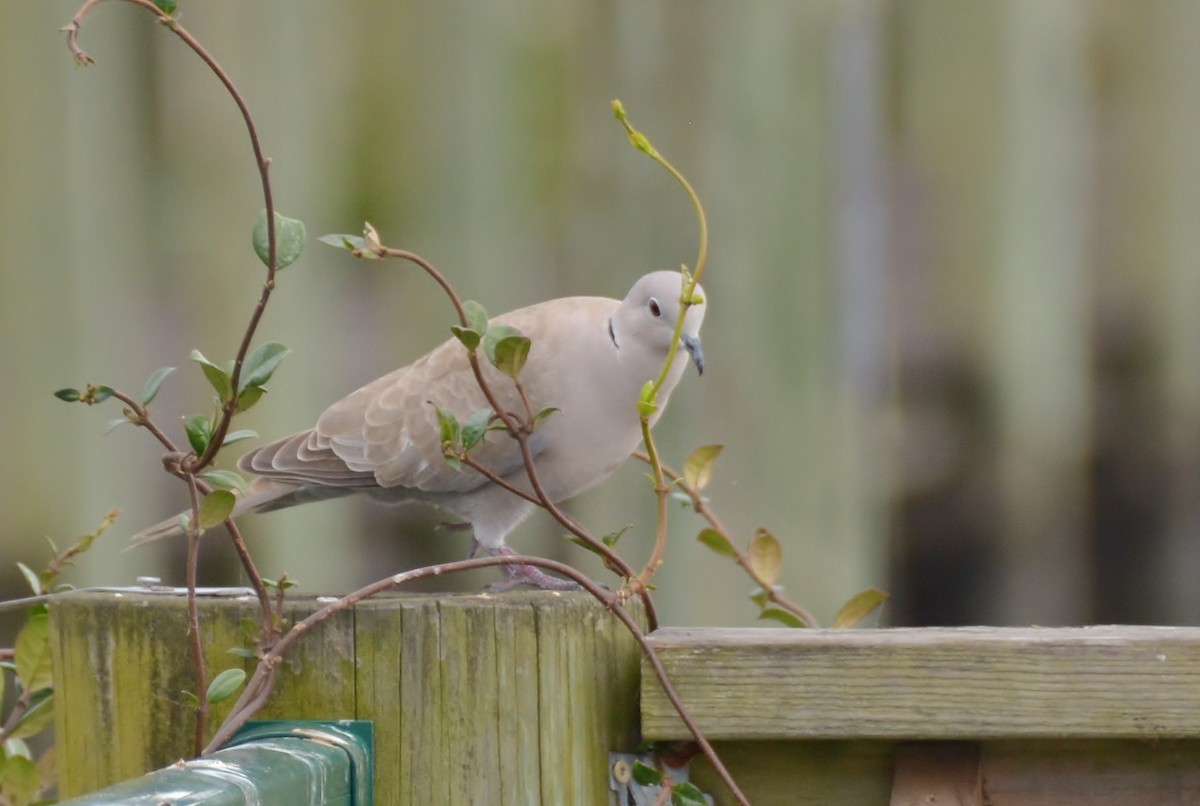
123	667
377	680
317	676
517	706
964	683
1096	773
945	773
470	701
564	699
1019	773
423	740
778	773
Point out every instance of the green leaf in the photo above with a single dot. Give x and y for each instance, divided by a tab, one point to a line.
217	377
717	542
783	616
449	427
611	538
766	556
511	355
348	242
687	794
494	334
475	427
261	364
242	652
579	541
249	397
289	240
31	653
101	394
506	348
238	436
646	775
34	582
858	607
225	480
469	338
37	718
19	780
543	414
150	389
477	318
216	507
112	424
225	684
199	432
697	468
68	395
166	6
760	597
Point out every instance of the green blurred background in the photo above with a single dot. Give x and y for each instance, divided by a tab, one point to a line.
953	341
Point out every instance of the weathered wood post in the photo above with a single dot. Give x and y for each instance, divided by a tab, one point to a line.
511	698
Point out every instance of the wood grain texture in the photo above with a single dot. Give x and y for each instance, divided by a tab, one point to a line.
1034	772
1096	773
942	773
506	699
966	683
778	773
122	667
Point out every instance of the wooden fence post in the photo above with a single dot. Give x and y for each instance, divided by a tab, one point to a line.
513	698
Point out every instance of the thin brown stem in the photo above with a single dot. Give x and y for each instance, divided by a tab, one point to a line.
661	494
229	409
270	630
19	709
141	417
197	645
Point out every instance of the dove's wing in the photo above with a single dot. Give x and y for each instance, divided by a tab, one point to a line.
386	434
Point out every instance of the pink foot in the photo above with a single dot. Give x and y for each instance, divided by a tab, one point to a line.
517	574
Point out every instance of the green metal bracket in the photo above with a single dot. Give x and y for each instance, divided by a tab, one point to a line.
294	762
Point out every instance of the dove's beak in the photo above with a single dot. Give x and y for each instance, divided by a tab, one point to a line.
692	345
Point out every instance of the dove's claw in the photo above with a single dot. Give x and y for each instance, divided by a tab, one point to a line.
517	574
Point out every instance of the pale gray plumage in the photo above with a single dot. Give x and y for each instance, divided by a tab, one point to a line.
590	357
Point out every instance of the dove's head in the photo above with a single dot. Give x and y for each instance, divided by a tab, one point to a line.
650	310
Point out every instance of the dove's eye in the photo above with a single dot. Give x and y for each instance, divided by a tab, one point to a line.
655	311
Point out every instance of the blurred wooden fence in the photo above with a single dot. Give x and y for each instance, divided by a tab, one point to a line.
953	340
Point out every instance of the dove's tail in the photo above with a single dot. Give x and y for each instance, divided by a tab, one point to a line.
264	495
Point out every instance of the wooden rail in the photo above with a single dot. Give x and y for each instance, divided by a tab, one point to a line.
1003	717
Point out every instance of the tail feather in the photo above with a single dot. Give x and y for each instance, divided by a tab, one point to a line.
264	495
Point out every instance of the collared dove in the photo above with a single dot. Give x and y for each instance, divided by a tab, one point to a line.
590	358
